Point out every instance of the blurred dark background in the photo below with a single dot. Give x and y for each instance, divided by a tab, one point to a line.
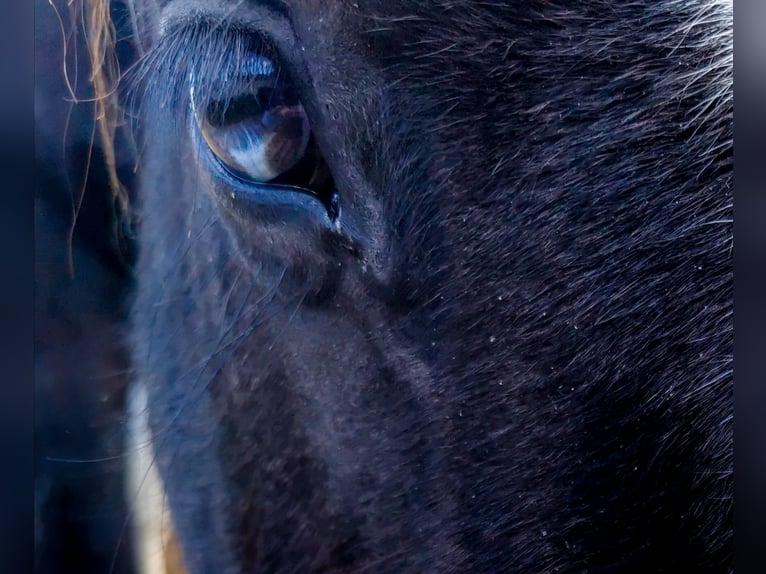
82	281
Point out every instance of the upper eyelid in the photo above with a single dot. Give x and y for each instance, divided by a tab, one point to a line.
219	57
259	65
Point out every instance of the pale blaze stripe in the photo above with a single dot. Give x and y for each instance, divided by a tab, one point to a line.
156	550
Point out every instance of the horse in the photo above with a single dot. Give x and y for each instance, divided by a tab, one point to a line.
430	285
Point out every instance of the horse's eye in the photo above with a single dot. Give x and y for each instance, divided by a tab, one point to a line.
261	132
258	135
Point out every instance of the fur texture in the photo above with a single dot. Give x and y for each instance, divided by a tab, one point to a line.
512	355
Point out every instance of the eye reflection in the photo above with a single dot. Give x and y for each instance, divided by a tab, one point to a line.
260	133
255	126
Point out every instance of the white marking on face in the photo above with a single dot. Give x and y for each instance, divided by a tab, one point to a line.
150	516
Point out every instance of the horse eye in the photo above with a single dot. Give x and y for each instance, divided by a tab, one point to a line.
260	133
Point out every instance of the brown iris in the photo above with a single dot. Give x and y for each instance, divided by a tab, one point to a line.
260	134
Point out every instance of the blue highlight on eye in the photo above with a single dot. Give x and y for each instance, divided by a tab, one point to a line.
258	66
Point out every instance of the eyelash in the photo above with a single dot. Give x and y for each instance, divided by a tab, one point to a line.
214	60
209	52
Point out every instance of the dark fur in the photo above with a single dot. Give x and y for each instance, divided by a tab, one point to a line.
515	356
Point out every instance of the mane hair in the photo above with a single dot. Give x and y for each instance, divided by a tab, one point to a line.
100	39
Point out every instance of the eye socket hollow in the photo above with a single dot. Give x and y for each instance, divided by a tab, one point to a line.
257	129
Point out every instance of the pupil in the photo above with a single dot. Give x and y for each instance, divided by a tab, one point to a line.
267	98
224	114
221	114
227	113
